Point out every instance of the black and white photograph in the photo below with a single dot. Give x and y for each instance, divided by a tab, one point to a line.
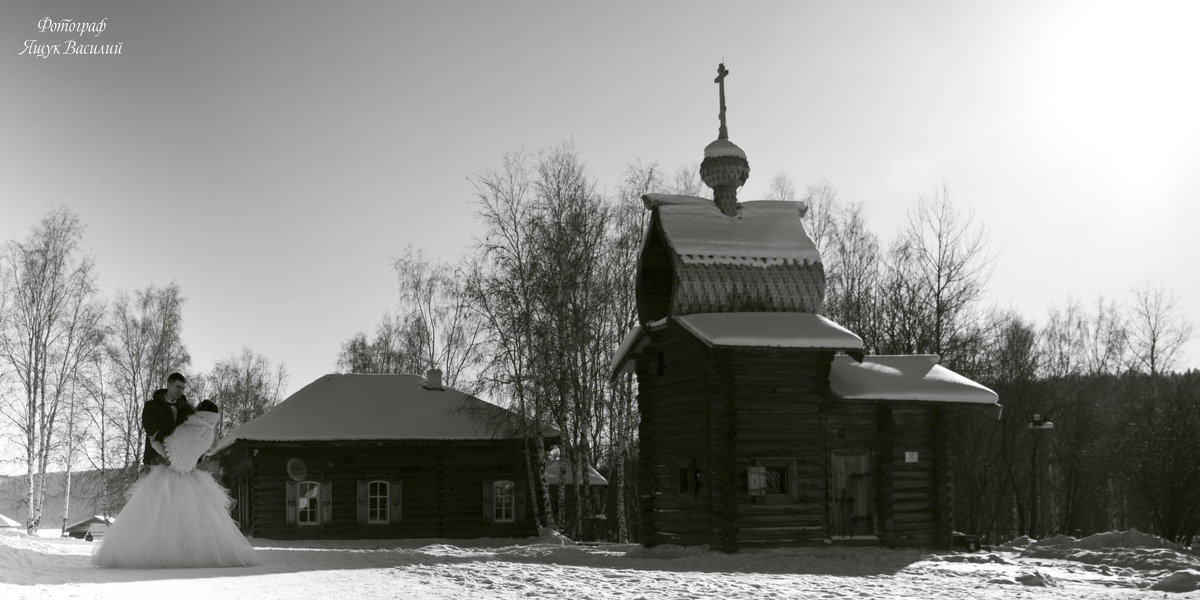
675	299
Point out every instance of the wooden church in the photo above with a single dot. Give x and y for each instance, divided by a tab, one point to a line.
762	422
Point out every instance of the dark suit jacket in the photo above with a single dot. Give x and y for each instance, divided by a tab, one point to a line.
159	423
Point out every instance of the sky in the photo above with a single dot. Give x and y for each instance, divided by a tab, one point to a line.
273	157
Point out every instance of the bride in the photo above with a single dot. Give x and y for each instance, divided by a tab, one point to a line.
178	515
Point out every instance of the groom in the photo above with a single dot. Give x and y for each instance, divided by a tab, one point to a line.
165	410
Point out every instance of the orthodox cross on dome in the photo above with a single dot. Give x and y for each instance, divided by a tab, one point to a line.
720	80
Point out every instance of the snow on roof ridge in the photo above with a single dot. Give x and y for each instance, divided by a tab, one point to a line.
770	330
655	200
698	232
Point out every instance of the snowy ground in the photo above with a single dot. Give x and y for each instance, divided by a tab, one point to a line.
1114	565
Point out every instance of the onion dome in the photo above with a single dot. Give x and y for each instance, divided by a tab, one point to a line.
724	168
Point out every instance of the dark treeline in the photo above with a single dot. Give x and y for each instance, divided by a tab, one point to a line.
532	314
76	368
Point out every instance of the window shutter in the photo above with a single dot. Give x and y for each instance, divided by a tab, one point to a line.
326	501
756	480
290	501
518	503
794	480
396	489
489	508
362	501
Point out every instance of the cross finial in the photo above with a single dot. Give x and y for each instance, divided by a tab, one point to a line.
720	80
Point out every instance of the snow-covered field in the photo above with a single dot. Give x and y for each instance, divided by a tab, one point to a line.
1113	565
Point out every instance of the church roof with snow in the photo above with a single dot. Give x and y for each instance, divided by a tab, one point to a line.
748	330
358	407
697	258
912	377
765	232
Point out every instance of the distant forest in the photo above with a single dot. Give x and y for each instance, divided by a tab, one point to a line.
531	314
84	501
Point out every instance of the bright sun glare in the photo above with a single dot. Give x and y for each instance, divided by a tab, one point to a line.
1122	88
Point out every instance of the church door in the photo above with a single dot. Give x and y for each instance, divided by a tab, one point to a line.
851	509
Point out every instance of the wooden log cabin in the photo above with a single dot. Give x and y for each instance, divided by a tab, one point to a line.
378	456
762	422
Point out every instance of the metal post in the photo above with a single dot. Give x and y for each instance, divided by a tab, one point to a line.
1035	424
1033	493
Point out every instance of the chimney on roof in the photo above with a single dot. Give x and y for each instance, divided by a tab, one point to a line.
433	380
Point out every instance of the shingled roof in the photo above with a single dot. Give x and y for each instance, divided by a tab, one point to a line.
760	259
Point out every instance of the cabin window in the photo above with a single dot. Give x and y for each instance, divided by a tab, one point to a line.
687	478
503	501
774	480
308	503
503	496
380	500
377	502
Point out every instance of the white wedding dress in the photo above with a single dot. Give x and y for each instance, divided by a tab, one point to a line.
178	515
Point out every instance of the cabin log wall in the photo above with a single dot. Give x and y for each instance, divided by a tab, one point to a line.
442	494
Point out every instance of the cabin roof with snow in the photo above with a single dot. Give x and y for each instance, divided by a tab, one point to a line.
912	377
83	524
552	469
356	407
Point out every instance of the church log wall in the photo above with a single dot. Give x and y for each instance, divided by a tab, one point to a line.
674	439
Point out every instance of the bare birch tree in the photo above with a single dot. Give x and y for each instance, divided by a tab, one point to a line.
852	295
1077	341
145	345
567	234
822	217
244	387
629	219
395	348
450	334
686	181
52	326
780	188
1156	330
101	431
500	288
949	257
